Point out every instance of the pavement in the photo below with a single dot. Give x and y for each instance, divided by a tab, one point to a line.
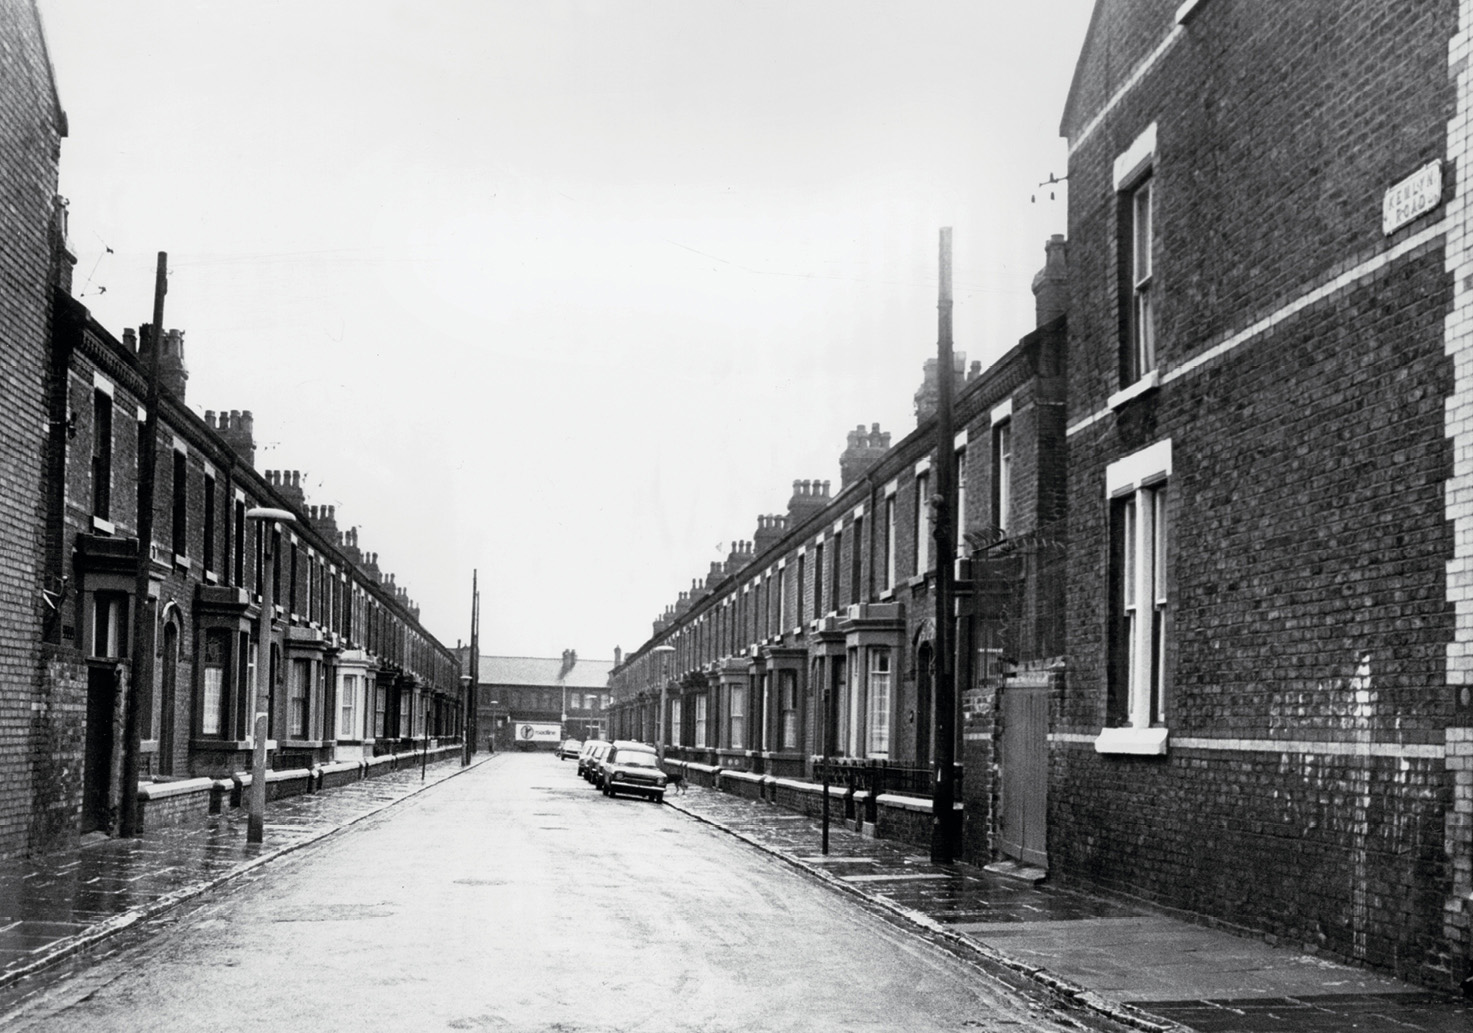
61	904
1118	959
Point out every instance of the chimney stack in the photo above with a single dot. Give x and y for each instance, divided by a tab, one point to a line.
288	484
770	528
864	450
1051	284
928	397
172	373
809	497
238	429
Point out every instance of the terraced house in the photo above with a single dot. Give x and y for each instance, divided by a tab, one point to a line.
813	642
1266	714
353	674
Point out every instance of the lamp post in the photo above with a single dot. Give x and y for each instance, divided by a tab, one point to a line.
468	695
265	520
664	652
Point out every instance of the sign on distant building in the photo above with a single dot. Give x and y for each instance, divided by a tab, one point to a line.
536	731
1416	195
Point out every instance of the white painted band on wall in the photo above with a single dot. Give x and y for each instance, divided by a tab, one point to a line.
1363	271
1301	747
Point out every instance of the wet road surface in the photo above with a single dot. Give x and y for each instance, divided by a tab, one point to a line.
515	897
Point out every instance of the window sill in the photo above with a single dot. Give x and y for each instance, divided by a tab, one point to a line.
105	526
1141	742
1150	382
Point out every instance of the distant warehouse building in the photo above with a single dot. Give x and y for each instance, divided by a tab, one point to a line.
536	702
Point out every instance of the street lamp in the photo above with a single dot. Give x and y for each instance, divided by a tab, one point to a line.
256	802
468	697
664	651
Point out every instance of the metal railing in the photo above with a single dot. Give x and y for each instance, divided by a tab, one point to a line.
879	777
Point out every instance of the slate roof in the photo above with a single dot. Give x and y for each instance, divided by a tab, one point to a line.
538	671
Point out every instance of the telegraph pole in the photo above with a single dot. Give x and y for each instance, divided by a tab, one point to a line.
142	647
943	796
468	747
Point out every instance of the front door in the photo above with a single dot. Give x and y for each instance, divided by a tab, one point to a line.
1024	775
925	688
97	764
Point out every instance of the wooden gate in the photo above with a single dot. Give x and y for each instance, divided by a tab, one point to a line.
102	691
1023	802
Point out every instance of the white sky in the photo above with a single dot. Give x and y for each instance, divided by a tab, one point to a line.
565	292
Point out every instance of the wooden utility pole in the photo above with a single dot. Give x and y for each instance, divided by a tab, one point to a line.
943	796
472	692
143	618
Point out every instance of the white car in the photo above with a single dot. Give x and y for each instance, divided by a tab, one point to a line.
569	748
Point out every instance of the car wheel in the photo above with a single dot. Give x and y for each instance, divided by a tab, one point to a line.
608	791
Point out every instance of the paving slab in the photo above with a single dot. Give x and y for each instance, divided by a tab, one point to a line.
1131	963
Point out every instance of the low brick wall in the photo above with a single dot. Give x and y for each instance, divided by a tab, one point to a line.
701	774
331	776
743	783
903	818
807	797
173	803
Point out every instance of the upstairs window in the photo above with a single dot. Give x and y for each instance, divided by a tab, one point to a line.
239	544
835	571
1002	481
923	523
1135	188
1141	346
181	504
102	454
890	538
208	552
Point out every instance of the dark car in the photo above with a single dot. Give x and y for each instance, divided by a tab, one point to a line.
593	752
631	767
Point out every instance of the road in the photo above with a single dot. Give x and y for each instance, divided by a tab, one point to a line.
515	897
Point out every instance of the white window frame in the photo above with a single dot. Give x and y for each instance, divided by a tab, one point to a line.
736	717
1138	483
1002	451
923	521
1135	182
890	536
878	694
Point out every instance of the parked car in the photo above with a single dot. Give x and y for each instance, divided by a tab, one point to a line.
632	767
569	748
588	762
584	753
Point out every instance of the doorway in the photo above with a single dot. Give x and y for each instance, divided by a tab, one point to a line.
925	689
1023	803
102	682
167	701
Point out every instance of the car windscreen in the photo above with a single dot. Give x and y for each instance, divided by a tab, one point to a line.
636	759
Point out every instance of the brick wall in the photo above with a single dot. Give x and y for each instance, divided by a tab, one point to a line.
1303	791
30	131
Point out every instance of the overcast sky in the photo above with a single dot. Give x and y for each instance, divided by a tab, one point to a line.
567	293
